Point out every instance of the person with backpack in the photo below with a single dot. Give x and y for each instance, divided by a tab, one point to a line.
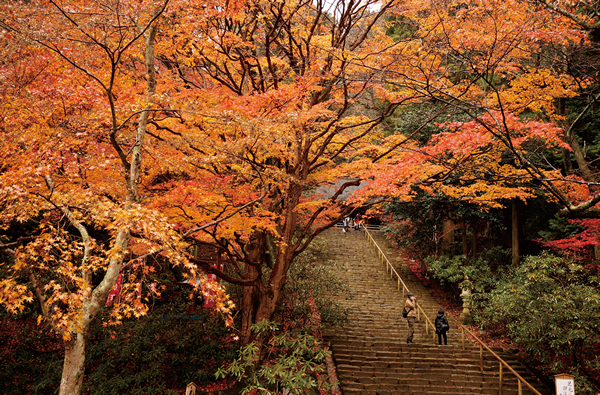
441	327
410	306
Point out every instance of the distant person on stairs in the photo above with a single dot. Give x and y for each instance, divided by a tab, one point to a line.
441	327
357	222
346	224
411	307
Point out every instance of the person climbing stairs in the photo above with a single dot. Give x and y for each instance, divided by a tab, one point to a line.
370	352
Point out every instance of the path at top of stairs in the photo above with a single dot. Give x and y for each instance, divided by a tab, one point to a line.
370	351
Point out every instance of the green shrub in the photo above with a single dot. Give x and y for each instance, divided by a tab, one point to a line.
158	353
482	270
551	308
295	361
310	281
31	356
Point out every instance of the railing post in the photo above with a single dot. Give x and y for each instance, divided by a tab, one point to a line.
481	357
502	363
500	383
481	345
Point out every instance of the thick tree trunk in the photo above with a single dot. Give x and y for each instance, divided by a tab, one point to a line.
448	236
515	233
252	297
74	365
248	308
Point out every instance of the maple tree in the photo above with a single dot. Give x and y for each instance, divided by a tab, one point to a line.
491	61
138	134
582	240
78	84
240	112
284	89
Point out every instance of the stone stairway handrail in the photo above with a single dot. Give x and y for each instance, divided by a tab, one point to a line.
502	362
386	261
393	271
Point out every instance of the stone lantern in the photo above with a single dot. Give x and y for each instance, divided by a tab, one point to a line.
465	317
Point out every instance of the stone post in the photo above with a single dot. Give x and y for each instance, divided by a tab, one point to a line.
465	317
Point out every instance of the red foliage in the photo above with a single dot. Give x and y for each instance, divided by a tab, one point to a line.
581	244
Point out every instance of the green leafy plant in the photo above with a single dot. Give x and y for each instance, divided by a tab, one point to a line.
559	228
482	270
312	283
294	361
550	307
158	353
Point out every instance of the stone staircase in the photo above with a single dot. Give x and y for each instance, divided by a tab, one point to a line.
371	353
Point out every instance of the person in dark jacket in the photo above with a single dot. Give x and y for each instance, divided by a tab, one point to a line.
441	327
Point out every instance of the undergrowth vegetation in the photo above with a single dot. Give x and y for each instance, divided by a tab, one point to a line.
156	354
547	305
179	342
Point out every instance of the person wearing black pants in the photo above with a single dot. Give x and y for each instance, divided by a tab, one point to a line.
441	327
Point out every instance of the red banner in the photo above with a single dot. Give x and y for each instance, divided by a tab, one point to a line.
115	292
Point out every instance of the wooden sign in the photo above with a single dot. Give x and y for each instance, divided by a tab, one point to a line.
565	384
191	389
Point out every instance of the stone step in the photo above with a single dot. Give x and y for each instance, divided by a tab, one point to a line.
370	352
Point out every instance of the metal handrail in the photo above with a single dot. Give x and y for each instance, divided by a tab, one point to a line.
393	271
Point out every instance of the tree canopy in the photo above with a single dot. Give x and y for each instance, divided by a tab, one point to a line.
136	134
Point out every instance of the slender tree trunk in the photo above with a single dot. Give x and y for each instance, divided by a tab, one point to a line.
474	238
586	172
74	364
515	233
465	244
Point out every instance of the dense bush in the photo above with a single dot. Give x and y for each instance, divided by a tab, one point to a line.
30	356
296	362
311	284
550	307
482	270
157	354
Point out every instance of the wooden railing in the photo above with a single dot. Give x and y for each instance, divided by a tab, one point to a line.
390	269
482	345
